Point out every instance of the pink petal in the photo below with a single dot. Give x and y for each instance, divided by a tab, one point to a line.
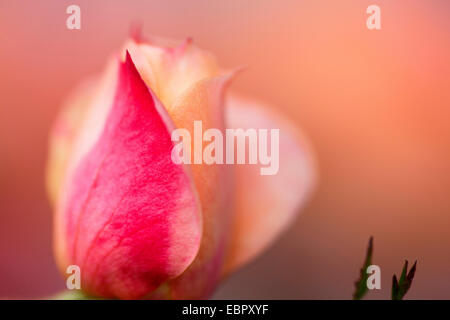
131	217
266	204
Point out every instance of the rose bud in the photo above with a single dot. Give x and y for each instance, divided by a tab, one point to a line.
136	222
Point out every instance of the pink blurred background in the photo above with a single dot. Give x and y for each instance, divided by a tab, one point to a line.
375	105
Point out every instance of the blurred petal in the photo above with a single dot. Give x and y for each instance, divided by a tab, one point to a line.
265	205
130	217
62	136
77	127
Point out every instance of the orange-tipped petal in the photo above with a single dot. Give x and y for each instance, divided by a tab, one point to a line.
170	71
204	102
266	204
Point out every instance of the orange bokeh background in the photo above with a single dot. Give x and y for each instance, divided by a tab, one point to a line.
375	105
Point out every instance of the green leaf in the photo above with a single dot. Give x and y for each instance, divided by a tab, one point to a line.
401	287
361	284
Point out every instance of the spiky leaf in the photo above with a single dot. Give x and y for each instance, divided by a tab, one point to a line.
361	284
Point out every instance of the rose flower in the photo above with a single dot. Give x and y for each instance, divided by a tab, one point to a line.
138	224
